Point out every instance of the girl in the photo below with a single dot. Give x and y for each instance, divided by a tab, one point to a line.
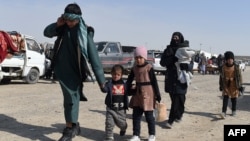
147	92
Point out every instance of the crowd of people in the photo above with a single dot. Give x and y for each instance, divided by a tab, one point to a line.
75	55
209	65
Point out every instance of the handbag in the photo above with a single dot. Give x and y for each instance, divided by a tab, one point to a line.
160	112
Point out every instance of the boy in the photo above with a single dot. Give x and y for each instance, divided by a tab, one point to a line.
230	83
116	103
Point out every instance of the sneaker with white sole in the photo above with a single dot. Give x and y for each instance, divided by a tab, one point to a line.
151	138
233	113
135	138
223	115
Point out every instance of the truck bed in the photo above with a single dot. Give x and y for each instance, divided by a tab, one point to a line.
16	60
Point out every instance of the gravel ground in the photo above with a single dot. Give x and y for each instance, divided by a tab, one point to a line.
35	112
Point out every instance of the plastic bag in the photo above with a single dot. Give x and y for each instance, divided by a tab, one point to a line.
160	112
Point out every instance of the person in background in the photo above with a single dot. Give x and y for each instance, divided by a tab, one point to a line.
74	48
230	82
146	95
177	90
220	62
203	63
116	103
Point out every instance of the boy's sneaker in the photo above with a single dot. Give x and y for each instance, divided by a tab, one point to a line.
223	115
135	138
109	139
151	138
233	113
122	133
168	125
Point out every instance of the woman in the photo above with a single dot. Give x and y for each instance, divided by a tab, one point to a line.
176	89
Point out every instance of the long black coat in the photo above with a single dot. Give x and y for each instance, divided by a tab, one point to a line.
168	60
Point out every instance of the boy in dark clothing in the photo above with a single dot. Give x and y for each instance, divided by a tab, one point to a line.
230	83
116	103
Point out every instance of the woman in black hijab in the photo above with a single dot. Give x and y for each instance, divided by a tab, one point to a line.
177	90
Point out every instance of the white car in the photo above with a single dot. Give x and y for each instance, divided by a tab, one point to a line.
27	65
155	60
241	64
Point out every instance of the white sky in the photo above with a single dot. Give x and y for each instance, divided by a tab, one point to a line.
211	25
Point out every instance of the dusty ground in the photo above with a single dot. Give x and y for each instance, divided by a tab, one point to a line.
35	112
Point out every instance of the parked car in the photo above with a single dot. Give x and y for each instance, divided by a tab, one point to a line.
28	64
156	57
112	53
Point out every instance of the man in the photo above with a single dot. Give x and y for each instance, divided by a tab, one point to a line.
74	48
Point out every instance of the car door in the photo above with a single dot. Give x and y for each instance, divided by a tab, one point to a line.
35	57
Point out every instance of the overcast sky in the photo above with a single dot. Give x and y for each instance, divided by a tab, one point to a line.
210	25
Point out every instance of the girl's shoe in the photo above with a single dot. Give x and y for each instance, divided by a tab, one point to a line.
223	115
151	138
135	138
233	113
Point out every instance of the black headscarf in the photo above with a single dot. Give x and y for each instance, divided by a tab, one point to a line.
181	39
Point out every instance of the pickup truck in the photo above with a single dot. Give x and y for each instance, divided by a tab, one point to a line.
28	64
112	53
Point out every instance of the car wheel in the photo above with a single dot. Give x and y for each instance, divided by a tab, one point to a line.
32	77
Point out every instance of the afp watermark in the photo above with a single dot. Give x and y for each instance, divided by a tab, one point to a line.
239	132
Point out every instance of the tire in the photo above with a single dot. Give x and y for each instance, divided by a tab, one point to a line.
32	77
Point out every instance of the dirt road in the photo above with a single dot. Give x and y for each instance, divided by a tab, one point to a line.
35	112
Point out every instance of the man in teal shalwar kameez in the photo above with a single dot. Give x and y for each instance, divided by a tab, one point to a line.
74	49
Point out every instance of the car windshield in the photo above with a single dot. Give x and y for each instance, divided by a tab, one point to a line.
128	49
100	46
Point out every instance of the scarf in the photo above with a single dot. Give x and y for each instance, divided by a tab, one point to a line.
82	31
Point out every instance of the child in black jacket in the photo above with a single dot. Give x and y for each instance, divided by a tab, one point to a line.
116	103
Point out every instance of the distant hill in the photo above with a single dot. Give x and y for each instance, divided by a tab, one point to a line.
244	58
